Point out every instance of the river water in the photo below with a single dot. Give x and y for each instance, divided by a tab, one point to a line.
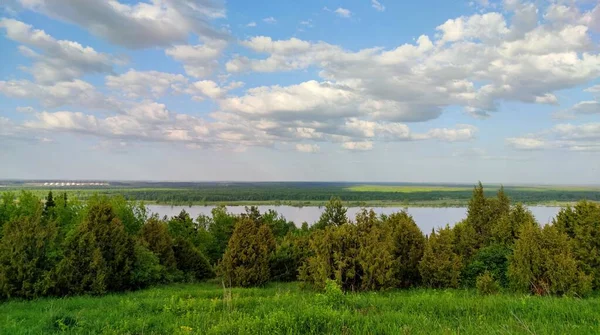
425	217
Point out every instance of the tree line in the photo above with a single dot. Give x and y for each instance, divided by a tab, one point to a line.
59	246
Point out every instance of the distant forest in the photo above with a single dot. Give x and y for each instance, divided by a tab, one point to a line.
296	192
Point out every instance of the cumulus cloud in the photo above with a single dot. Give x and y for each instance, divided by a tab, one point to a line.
474	62
137	25
148	84
55	60
566	136
525	143
358	146
251	24
309	148
343	12
75	93
198	60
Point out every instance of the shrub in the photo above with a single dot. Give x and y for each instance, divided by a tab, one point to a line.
147	269
289	255
408	247
493	259
440	266
155	236
542	263
246	260
28	253
486	284
191	261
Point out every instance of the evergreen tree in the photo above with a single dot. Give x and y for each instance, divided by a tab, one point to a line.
49	207
582	224
408	247
440	266
191	261
155	236
246	259
377	265
334	214
506	230
27	255
542	263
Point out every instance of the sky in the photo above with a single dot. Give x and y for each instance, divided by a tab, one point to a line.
503	91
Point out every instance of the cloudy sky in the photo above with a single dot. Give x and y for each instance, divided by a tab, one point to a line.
329	90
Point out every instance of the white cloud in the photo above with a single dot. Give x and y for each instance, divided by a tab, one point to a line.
270	20
59	60
75	93
566	136
310	148
593	89
475	62
148	84
525	143
358	146
377	5
343	12
138	25
198	60
251	24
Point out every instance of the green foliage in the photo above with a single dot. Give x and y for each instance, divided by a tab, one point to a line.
221	227
191	261
155	236
357	256
278	224
542	263
486	284
334	214
492	259
440	266
100	247
289	255
377	264
147	269
506	229
246	260
27	255
285	308
408	247
582	224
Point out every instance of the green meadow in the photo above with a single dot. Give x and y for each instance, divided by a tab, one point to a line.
279	308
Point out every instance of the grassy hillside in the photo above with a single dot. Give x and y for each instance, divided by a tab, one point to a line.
286	309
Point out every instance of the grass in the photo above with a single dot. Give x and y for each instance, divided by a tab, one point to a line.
207	308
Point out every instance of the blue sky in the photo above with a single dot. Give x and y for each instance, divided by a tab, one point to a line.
356	90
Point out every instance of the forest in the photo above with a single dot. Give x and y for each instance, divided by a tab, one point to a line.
59	246
312	193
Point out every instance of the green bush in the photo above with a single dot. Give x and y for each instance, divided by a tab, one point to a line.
542	263
493	259
250	248
191	261
486	284
28	253
147	269
440	266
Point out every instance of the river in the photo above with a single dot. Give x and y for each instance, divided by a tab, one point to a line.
425	217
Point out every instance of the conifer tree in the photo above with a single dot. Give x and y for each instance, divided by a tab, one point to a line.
440	266
542	263
408	247
246	259
334	214
27	256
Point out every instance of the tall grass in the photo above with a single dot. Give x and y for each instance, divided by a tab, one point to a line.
208	308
